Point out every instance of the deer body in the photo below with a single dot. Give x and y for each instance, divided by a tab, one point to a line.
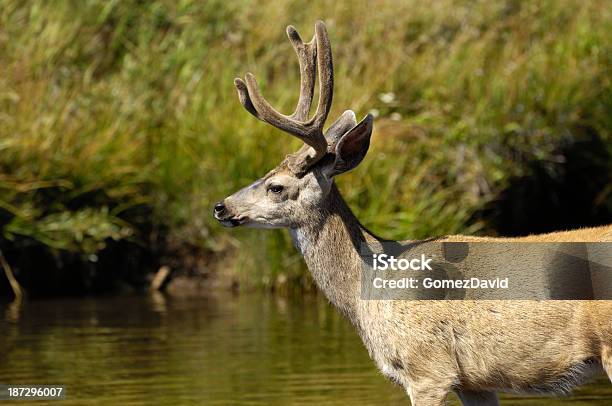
433	347
430	347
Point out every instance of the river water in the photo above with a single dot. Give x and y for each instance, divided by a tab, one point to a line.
219	350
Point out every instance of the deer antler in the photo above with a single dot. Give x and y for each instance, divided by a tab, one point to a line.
297	124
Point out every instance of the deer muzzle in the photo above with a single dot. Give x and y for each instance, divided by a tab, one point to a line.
221	213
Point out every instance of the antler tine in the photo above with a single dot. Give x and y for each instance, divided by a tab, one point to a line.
306	53
297	124
326	75
245	99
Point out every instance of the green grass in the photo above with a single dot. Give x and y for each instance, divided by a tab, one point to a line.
119	120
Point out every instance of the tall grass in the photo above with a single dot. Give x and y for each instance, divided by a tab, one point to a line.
118	119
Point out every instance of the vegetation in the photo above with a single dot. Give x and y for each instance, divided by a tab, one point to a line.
120	126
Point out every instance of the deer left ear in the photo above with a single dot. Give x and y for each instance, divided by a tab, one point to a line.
352	147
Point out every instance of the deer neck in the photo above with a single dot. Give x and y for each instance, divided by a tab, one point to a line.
330	245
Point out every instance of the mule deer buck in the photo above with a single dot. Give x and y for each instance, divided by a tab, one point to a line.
429	347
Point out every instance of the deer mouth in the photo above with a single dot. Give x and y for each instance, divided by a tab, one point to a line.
232	221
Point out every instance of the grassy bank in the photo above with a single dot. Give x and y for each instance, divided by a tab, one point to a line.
120	126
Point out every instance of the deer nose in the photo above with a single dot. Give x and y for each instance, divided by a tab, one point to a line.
219	208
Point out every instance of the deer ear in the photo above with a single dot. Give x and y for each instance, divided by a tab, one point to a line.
352	147
340	127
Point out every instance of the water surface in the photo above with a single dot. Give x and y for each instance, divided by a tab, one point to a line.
221	350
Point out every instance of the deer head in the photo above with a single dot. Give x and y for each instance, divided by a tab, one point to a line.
293	192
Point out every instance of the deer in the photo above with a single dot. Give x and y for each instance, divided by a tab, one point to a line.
429	347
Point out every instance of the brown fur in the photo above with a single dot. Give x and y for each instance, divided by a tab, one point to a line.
591	234
467	346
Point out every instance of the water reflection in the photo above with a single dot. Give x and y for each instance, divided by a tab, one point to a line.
250	349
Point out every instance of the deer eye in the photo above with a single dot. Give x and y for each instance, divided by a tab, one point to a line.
276	189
